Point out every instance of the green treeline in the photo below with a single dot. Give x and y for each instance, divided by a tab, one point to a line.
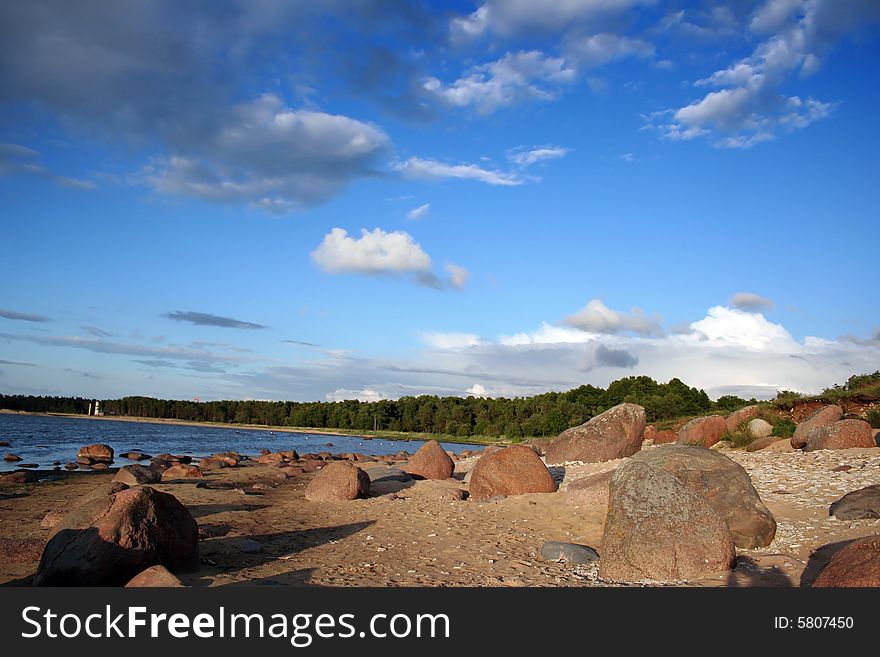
541	415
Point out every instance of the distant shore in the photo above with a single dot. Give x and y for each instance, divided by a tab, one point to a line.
388	435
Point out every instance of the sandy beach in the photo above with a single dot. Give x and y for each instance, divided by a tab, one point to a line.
256	527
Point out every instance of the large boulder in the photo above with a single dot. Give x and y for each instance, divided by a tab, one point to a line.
737	418
111	539
844	434
136	475
54	517
724	484
181	471
658	529
512	471
856	565
430	462
97	453
665	436
614	434
862	504
154	576
704	431
590	491
759	428
821	417
338	481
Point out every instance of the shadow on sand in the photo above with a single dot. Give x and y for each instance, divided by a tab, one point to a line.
819	559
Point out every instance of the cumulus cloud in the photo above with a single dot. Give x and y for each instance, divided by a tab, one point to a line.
206	319
750	301
272	156
519	76
365	395
374	252
477	390
22	317
427	169
419	213
746	106
596	317
439	340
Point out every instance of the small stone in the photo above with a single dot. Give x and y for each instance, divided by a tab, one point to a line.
568	552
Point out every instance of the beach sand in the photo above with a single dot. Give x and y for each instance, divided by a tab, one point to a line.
422	538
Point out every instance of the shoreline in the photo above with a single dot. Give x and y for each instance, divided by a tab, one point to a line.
387	435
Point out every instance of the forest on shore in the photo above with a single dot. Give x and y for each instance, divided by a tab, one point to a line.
542	415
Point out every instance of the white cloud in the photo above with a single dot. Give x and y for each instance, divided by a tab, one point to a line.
375	252
515	17
596	317
598	49
365	395
271	156
477	390
746	107
524	75
729	327
458	276
439	340
425	169
419	213
526	157
750	301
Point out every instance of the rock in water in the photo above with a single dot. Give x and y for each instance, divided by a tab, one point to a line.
512	471
97	453
856	565
12	458
821	417
658	529
430	462
568	552
110	540
759	428
590	491
862	504
723	484
735	419
338	481
614	434
135	475
704	431
154	577
181	471
844	434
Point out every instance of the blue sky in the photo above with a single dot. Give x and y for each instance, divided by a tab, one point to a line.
319	201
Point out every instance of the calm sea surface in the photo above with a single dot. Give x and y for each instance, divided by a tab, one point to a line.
43	440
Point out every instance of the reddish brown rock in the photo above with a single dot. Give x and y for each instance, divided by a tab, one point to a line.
764	443
52	518
19	477
110	540
590	491
338	481
845	434
665	436
271	459
135	475
614	434
212	464
430	462
311	465
99	466
512	471
703	431
12	458
154	577
658	529
182	471
856	565
290	455
21	550
97	453
723	484
821	417
736	419
136	456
